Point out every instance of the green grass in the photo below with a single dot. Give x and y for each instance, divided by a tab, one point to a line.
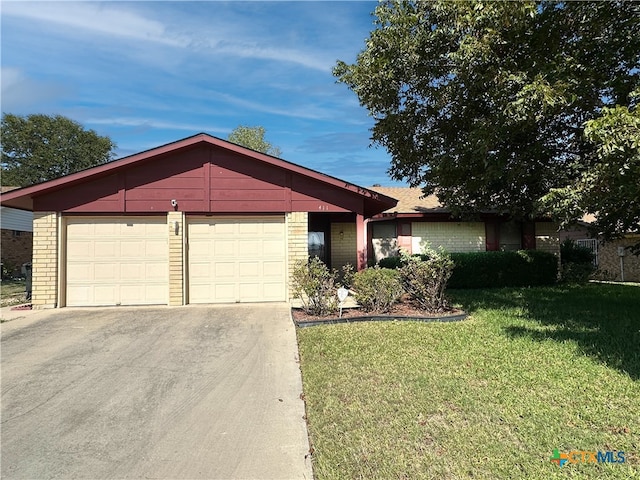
12	292
491	397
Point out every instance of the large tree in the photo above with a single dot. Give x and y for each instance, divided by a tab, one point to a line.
485	103
253	138
37	148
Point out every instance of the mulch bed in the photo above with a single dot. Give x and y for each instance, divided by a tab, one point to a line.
22	307
403	311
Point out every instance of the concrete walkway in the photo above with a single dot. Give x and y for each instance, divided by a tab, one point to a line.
175	393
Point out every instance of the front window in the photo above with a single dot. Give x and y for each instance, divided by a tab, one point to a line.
317	246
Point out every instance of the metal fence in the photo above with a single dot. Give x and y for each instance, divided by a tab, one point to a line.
591	244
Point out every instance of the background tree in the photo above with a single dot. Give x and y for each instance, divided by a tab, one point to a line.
612	187
253	138
485	103
37	148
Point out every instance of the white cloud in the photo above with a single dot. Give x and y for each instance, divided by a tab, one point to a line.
21	93
153	123
307	111
79	19
94	17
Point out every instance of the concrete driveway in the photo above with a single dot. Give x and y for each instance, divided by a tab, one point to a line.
184	392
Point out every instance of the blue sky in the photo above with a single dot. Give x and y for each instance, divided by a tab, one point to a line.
149	73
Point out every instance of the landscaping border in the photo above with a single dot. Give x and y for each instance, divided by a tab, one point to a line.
380	318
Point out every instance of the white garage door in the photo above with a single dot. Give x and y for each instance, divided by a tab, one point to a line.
117	261
236	259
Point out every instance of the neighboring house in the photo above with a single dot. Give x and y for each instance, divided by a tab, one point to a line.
16	243
200	220
613	260
418	221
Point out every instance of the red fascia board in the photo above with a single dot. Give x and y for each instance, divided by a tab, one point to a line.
22	198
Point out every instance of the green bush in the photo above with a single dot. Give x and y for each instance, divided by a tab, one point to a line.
377	289
571	252
390	262
425	278
503	269
576	262
315	285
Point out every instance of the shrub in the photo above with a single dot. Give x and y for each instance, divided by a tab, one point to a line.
345	277
425	278
576	262
390	262
571	252
315	285
520	268
377	289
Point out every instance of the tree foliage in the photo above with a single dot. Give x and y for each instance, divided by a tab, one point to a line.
611	187
485	103
37	148
253	138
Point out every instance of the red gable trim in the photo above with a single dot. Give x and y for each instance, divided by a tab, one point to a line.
23	198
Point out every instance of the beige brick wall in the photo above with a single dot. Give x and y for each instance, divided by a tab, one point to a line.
176	256
343	245
452	236
609	261
548	237
297	242
45	260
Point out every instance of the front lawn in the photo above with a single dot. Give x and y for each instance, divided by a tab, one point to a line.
531	370
12	292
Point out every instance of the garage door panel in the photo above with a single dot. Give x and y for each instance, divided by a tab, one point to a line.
105	272
80	270
200	271
199	291
132	248
272	228
250	247
80	295
224	292
244	254
80	248
245	228
155	270
117	261
106	229
199	247
223	270
105	249
157	248
271	247
103	295
131	293
223	248
131	271
251	292
249	269
223	228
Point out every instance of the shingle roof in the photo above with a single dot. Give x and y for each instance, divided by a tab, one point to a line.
410	200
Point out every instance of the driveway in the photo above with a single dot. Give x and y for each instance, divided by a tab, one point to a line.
184	392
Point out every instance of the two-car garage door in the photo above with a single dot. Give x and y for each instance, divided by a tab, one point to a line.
124	260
